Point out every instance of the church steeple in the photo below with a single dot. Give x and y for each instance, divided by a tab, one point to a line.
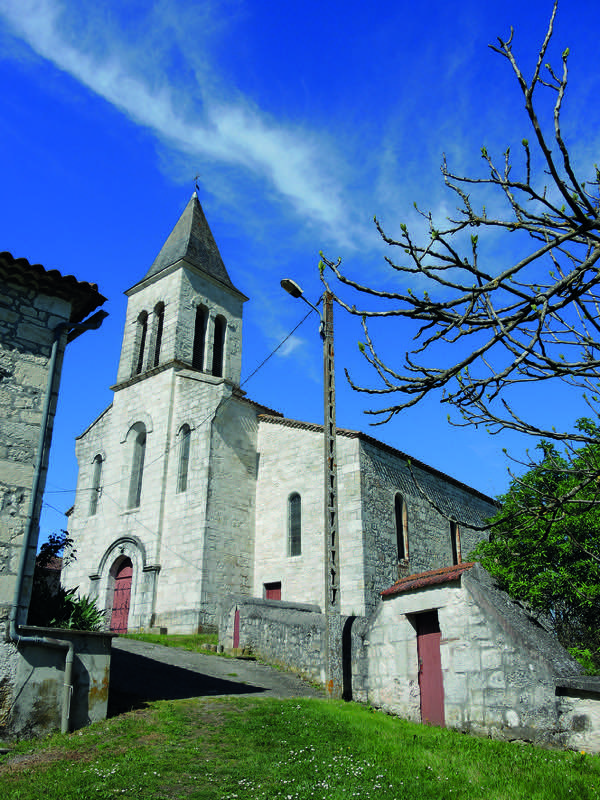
185	312
191	240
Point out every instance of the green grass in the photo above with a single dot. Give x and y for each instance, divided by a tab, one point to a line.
192	642
247	749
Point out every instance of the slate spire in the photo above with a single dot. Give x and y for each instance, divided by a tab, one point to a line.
191	240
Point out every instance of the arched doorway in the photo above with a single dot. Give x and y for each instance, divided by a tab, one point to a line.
121	595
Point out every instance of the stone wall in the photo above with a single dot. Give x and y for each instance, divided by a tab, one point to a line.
32	674
27	323
291	461
286	634
181	289
430	499
579	710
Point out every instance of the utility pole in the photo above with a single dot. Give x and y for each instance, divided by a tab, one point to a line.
331	554
333	621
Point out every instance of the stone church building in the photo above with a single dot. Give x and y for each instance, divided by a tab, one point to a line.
189	490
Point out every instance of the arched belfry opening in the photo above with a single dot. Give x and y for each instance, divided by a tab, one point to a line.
141	335
219	346
199	338
185	311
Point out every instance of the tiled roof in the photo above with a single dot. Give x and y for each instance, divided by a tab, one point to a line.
432	577
350	434
84	297
241	395
191	240
54	565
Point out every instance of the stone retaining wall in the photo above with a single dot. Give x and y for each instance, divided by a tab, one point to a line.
286	634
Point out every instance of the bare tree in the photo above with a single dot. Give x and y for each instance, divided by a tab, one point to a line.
535	318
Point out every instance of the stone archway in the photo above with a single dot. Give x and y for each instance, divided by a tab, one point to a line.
122	572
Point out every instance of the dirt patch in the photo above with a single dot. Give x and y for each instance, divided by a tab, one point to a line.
22	762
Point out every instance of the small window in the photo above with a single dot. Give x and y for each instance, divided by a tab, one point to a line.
95	488
455	542
401	527
219	346
140	338
137	438
294	525
184	436
159	321
199	338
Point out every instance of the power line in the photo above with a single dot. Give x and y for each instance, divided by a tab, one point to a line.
208	416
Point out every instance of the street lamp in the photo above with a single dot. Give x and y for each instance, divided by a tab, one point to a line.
333	622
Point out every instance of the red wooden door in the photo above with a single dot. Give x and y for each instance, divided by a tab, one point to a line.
273	591
121	598
236	628
430	668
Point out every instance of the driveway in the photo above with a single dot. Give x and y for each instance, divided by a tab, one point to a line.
141	672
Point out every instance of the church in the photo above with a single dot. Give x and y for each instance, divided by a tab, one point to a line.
189	490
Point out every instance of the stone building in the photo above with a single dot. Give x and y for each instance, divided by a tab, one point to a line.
40	311
446	647
189	490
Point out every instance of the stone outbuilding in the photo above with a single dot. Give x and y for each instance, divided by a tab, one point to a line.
444	647
448	647
40	311
189	490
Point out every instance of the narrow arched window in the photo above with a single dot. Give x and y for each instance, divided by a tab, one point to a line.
137	440
184	437
455	542
294	525
159	321
219	346
95	488
140	338
199	337
401	527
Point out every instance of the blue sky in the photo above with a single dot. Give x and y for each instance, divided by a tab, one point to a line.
303	120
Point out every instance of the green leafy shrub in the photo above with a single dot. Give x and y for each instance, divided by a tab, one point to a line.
588	660
551	559
64	608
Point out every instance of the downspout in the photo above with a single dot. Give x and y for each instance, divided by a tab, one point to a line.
15	636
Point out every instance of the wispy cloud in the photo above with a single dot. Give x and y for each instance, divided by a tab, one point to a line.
231	129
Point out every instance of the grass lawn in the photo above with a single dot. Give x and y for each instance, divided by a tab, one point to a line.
192	642
239	748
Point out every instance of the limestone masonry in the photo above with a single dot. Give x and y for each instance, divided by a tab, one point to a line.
38	308
188	490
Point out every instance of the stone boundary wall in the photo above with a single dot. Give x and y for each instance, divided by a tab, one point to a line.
285	634
579	712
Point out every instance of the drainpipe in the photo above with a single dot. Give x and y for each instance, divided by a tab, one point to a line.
71	331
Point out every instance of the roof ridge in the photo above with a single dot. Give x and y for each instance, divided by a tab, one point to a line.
349	433
431	577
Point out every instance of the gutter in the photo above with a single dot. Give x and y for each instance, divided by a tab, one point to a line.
63	333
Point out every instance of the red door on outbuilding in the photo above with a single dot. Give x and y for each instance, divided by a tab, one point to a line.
121	597
236	628
430	668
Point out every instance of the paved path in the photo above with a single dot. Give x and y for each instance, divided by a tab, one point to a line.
141	672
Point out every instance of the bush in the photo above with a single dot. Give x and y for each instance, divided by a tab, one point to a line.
64	608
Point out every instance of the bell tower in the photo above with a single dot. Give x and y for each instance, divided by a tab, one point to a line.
185	312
